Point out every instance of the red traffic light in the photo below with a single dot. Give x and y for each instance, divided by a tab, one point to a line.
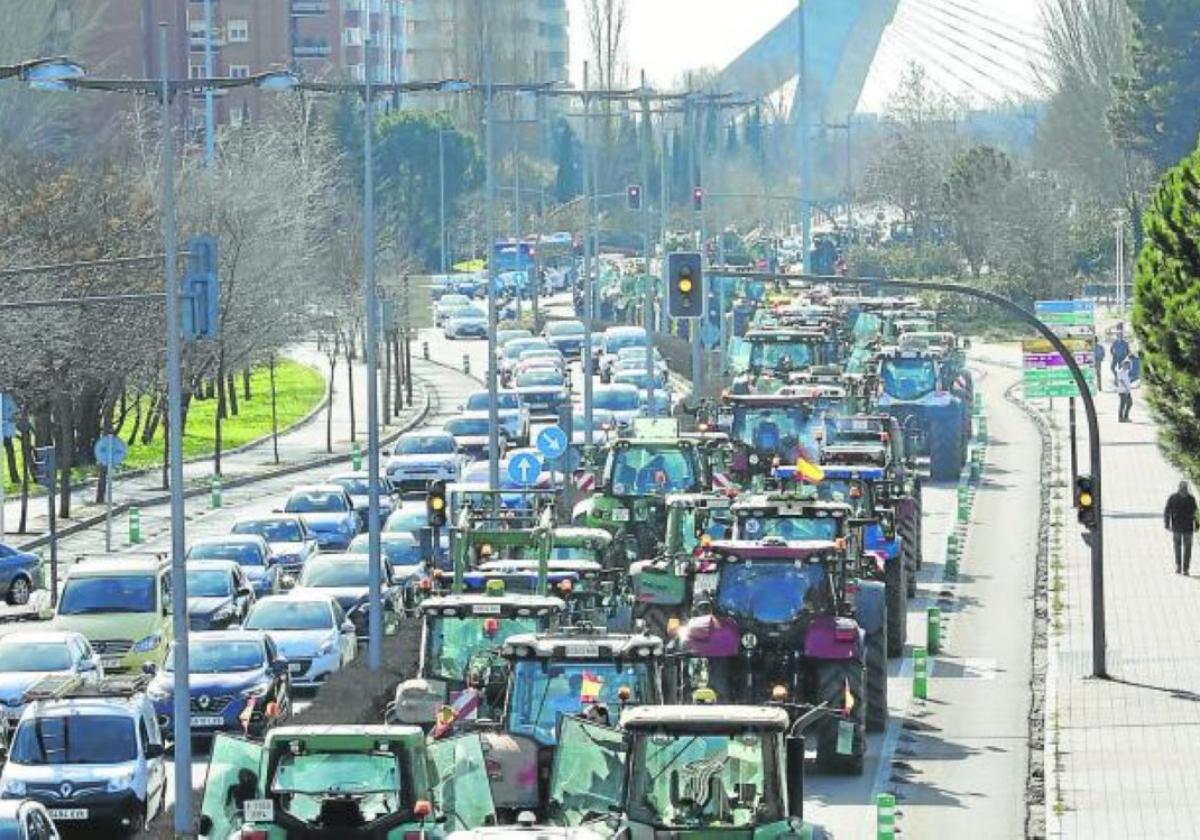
698	198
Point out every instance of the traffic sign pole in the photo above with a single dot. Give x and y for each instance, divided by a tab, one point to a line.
4	469
108	501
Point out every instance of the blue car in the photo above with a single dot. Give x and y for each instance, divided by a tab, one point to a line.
566	337
328	512
20	574
410	572
237	679
250	551
286	535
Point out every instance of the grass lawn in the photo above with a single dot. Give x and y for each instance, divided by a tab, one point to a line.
298	388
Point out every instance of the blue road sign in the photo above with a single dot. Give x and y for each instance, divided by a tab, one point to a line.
524	468
552	442
8	416
110	451
710	334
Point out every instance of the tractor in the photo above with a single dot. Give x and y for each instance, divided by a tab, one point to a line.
933	409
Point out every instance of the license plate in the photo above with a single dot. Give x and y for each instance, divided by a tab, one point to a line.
68	813
620	515
208	720
295	668
259	810
583	651
486	609
110	661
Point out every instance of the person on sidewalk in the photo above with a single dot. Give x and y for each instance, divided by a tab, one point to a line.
1179	517
1098	361
1119	350
1124	390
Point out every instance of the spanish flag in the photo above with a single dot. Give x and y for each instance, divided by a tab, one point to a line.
808	471
847	699
589	687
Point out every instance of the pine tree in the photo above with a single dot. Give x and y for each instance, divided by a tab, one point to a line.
568	182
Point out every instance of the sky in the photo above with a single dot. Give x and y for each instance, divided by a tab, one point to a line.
667	37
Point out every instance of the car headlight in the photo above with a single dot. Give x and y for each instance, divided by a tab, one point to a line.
326	648
256	691
158	691
147	644
223	613
12	787
120	782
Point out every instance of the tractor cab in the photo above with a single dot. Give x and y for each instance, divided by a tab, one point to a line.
932	404
782	350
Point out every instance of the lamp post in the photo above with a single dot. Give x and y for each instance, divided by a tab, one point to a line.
46	73
442	196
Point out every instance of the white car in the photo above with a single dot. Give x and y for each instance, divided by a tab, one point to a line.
472	431
635	357
511	354
29	656
514	415
448	304
419	458
624	402
467	322
612	342
311	631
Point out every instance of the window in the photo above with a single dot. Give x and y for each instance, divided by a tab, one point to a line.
239	31
239	71
352	36
195	71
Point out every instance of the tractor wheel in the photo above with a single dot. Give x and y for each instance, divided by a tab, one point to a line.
895	581
908	528
946	454
877	680
833	681
918	522
656	619
910	568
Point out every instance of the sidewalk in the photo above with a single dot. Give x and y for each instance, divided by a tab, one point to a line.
303	444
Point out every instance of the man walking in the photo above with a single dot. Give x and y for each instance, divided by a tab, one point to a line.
1180	519
1124	390
1119	351
1098	362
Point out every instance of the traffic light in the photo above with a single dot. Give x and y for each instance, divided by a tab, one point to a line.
435	505
44	466
200	307
1085	502
633	196
685	285
698	199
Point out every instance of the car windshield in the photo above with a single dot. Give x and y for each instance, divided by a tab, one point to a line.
407	519
505	336
467	426
517	346
770	429
272	530
845	490
652	470
615	399
290	614
337	774
244	554
425	445
220	657
776	354
563	328
74	739
636	377
685	781
540	376
108	594
470	312
908	379
452	301
208	583
355	485
315	501
542	692
771	592
615	342
787	527
340	572
478	401
399	548
453	640
19	655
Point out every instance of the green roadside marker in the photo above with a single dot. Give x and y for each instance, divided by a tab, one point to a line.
982	431
466	363
920	674
135	526
216	491
951	543
952	565
356	455
933	629
975	469
425	350
885	816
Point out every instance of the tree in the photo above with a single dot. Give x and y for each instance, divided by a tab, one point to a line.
568	179
1155	110
1166	311
978	178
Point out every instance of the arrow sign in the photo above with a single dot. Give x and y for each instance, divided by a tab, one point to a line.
710	334
552	442
110	451
524	468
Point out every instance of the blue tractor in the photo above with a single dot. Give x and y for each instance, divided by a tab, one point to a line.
932	405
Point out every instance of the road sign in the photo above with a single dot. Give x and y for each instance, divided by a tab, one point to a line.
552	442
1066	313
1045	372
524	468
8	416
110	451
710	334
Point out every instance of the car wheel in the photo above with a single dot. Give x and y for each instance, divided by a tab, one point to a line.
18	591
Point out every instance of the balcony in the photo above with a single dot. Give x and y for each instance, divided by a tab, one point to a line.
196	41
311	48
309	8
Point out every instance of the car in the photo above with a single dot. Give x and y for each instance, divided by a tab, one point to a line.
122	605
93	755
624	402
407	518
467	322
328	512
28	656
358	485
346	577
604	423
566	337
506	335
471	433
410	572
289	539
218	594
612	342
312	632
472	284
514	415
25	819
446	305
20	574
638	378
542	357
634	358
511	354
421	457
237	680
543	390
252	552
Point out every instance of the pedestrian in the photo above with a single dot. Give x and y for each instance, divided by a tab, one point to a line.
1119	350
1124	390
1179	517
1098	361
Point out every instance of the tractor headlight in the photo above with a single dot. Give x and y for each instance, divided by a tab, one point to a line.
749	641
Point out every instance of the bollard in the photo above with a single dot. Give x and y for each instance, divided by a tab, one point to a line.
216	491
885	816
135	526
975	469
981	432
356	456
920	674
978	403
933	629
466	363
951	543
951	566
964	509
425	350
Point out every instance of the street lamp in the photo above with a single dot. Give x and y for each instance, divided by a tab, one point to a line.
44	73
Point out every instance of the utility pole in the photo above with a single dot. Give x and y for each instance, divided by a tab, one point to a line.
490	244
587	263
209	72
664	179
516	157
804	141
442	194
647	249
695	177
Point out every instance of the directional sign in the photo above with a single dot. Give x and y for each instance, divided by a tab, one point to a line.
710	334
552	442
1066	313
1045	372
110	451
8	416
524	468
